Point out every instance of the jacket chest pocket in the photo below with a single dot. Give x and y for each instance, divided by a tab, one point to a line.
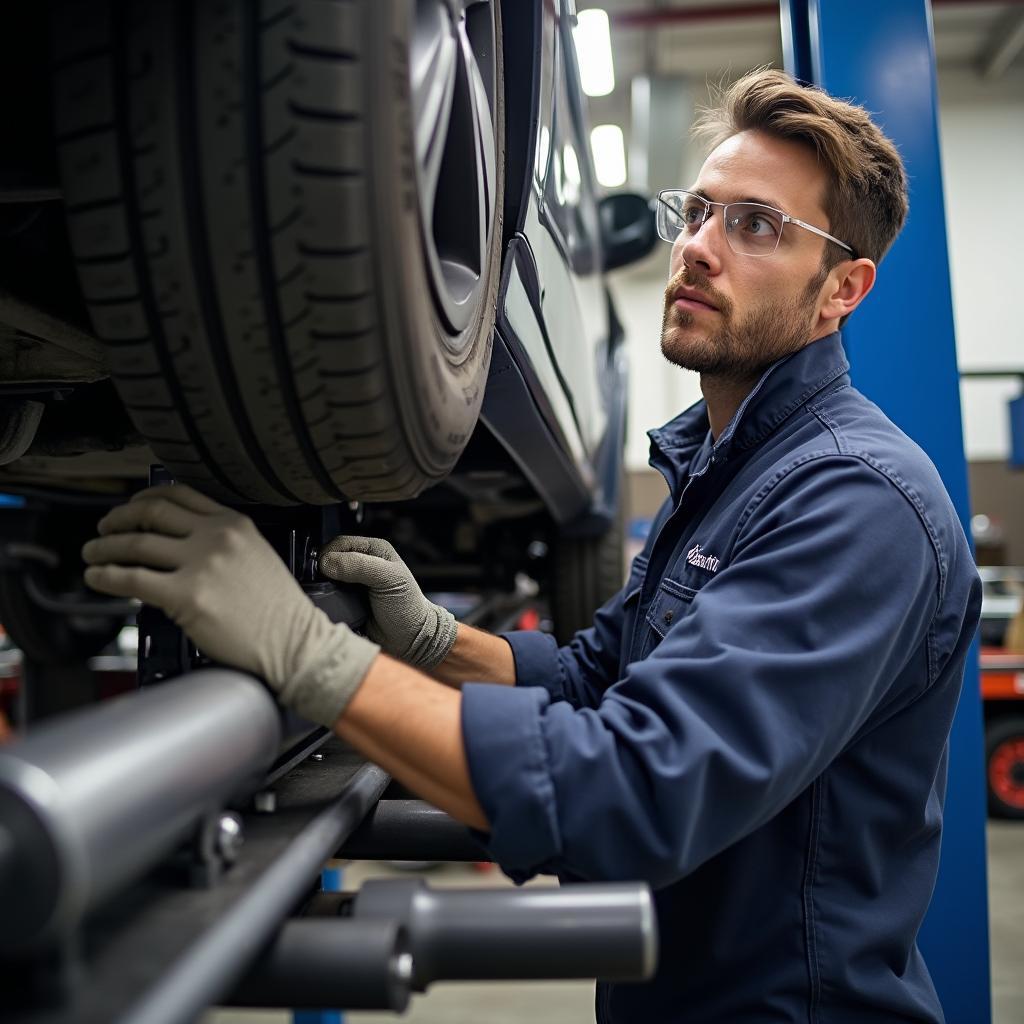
671	602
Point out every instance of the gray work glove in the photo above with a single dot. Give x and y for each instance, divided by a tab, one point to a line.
214	574
402	621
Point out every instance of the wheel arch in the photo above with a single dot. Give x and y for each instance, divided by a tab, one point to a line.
522	23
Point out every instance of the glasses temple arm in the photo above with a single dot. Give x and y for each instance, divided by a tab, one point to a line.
823	234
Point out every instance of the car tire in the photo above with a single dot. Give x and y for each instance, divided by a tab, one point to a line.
587	572
1004	766
292	256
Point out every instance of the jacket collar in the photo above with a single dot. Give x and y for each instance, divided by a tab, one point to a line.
783	388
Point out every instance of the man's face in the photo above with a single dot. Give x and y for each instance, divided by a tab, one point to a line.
760	308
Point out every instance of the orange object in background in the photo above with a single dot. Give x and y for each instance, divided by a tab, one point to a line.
1002	674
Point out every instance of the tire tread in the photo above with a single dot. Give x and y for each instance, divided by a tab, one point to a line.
250	369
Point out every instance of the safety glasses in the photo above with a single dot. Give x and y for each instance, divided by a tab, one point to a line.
751	229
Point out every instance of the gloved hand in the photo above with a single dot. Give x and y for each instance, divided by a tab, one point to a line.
214	574
403	621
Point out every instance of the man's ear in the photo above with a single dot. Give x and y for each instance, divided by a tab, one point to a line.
847	287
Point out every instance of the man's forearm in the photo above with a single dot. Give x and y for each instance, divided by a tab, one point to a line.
477	657
412	727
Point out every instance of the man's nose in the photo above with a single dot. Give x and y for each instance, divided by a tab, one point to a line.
703	249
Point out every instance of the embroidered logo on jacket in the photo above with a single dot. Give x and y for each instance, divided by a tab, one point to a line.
708	562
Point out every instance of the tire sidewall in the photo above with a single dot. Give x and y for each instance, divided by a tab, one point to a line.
439	394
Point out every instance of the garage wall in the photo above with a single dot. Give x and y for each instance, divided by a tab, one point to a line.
982	138
658	390
998	492
983	156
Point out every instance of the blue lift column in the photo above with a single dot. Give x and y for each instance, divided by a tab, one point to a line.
902	351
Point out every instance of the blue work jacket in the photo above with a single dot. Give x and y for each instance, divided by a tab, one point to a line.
757	723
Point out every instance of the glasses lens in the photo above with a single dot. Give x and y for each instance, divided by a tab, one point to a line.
667	217
678	212
753	230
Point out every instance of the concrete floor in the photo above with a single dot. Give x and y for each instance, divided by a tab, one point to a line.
1006	919
572	1002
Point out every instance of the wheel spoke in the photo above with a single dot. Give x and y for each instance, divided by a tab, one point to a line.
434	67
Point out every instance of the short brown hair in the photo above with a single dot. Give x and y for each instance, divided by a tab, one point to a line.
866	195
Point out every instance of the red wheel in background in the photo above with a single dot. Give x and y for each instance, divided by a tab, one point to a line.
1004	743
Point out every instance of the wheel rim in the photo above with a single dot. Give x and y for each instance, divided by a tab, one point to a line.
453	81
1006	772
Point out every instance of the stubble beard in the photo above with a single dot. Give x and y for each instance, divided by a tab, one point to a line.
738	351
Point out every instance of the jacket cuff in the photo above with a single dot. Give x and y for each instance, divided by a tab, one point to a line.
510	774
536	660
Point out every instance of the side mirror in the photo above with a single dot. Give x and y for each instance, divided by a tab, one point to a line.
628	232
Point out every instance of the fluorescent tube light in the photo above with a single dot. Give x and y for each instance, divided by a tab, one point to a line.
609	151
594	52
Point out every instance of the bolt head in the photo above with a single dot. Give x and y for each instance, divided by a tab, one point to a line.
230	836
403	968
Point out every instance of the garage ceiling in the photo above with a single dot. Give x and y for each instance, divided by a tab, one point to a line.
701	37
715	39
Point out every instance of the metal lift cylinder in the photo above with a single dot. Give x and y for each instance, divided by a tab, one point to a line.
320	964
91	800
576	931
411	830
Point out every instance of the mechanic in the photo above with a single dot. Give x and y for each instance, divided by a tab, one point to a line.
757	723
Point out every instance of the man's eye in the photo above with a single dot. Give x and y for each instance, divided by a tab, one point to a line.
757	223
692	214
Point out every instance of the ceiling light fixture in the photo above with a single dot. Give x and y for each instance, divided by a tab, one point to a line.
609	149
594	51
